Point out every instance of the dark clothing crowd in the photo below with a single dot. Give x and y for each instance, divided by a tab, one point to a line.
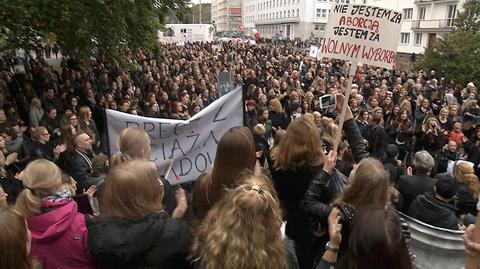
424	129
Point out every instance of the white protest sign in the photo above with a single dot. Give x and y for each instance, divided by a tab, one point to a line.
225	82
360	33
313	51
191	143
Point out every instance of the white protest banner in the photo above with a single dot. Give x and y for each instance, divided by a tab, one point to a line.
191	143
313	51
364	34
225	83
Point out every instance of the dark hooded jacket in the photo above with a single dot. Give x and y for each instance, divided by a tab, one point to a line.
431	210
155	241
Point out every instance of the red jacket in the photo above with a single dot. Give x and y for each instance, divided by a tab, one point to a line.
59	237
457	137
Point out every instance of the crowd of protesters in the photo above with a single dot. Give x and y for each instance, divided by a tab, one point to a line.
278	196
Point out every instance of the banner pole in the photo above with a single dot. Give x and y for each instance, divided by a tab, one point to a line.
353	69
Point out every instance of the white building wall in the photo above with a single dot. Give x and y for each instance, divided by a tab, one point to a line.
421	29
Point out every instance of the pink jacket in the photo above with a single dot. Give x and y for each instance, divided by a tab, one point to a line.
59	237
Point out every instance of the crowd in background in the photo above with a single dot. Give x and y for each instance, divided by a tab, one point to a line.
411	142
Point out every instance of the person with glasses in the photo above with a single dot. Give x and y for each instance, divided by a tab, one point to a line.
41	147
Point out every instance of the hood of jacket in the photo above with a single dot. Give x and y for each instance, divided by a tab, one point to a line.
431	210
54	223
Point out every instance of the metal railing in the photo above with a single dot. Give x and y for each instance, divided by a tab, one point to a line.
432	24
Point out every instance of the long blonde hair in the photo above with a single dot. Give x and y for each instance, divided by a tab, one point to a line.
41	178
132	190
301	146
464	173
243	229
132	143
370	185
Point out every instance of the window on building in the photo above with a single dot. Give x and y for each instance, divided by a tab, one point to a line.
407	13
319	13
418	39
421	13
404	38
284	14
324	13
322	27
317	27
288	14
452	10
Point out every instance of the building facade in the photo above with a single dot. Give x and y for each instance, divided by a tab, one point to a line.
226	15
422	21
292	19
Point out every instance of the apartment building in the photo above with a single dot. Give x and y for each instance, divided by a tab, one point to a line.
227	14
291	19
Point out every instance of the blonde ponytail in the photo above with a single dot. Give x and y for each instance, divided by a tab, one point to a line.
41	178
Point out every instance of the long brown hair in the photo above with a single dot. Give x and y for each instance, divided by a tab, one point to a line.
13	240
235	155
301	146
243	226
376	241
132	190
465	173
369	185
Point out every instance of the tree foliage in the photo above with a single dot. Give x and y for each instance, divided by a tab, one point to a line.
102	27
457	55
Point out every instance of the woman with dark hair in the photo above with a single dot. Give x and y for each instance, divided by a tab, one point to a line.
378	137
400	133
15	241
262	118
362	122
376	241
235	154
51	122
298	162
176	111
249	220
134	231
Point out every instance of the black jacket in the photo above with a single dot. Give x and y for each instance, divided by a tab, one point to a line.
155	241
466	202
79	169
412	186
427	208
322	190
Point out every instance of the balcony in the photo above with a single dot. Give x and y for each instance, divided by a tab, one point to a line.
278	21
439	25
435	1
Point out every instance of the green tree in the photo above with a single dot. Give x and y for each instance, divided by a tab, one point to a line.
104	28
457	55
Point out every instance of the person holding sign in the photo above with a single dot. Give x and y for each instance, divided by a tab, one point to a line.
299	160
